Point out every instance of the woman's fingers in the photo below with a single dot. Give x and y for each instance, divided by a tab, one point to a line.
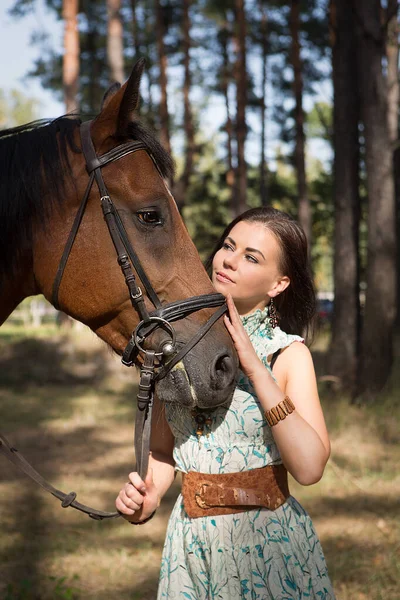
233	313
137	481
131	496
122	507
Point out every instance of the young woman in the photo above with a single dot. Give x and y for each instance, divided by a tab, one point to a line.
236	532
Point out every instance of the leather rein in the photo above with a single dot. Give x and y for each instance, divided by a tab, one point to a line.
155	365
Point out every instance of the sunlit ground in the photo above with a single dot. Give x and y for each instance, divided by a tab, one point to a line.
68	405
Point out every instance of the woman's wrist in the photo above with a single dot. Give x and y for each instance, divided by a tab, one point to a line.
259	374
140	516
143	521
267	390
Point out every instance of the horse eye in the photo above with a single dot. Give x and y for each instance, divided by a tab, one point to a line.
149	217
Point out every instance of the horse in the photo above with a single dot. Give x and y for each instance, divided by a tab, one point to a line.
55	244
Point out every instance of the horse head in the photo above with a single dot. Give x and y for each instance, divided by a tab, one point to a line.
92	288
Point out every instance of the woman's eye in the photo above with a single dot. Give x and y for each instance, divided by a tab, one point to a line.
251	258
227	246
149	217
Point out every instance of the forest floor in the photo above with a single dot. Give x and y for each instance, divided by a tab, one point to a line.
67	404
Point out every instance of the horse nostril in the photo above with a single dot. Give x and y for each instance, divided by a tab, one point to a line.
222	371
223	363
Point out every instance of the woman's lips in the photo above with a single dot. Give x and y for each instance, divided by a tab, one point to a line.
223	278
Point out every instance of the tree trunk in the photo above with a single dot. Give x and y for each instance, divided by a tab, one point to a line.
136	38
380	305
181	189
344	348
392	53
115	43
304	203
148	45
94	94
135	30
226	77
241	102
162	57
264	65
71	56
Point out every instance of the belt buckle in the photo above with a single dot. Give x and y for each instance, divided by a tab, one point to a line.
198	495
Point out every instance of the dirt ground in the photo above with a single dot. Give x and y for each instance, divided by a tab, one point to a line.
68	405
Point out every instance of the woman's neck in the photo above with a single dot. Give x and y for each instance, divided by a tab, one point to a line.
247	309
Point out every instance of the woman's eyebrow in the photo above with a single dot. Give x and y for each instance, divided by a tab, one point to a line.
247	249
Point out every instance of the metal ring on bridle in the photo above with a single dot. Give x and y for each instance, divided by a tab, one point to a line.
163	324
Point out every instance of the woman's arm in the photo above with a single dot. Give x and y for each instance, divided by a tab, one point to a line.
161	450
138	499
302	438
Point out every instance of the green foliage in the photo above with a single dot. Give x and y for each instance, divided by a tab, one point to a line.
206	211
17	109
209	197
321	198
320	121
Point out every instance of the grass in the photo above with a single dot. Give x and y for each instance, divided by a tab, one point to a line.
68	405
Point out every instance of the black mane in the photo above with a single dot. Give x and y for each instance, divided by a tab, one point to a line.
33	168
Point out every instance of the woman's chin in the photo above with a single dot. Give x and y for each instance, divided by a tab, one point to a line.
220	288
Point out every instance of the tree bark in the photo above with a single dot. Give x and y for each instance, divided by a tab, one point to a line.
94	93
344	348
226	76
164	114
392	53
181	189
115	44
135	30
241	102
304	202
380	305
148	37
263	108
71	56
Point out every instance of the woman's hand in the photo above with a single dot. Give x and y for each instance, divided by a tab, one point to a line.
138	499
250	364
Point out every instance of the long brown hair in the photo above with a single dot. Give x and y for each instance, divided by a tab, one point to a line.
296	305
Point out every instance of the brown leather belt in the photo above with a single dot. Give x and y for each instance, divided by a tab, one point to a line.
226	493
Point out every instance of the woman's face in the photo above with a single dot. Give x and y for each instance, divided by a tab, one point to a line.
247	267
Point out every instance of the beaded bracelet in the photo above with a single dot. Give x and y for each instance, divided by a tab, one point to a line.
280	411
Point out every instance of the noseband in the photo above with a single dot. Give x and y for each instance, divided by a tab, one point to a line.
155	365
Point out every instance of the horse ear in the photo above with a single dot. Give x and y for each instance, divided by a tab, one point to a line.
130	100
118	108
109	94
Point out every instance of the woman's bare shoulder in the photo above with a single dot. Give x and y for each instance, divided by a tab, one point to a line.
294	360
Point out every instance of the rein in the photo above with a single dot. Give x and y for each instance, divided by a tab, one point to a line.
155	365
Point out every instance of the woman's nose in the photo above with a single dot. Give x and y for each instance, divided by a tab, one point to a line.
230	260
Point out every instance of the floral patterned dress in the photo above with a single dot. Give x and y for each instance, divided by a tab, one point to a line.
258	554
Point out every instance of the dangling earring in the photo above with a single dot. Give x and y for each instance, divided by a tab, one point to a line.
273	315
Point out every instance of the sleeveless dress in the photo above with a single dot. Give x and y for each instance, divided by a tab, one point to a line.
255	555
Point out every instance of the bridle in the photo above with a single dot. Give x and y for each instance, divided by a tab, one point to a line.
155	365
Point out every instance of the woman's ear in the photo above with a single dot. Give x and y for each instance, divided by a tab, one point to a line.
280	286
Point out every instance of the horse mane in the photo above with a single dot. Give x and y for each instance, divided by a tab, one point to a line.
33	169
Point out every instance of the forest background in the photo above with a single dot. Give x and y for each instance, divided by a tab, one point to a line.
254	67
293	104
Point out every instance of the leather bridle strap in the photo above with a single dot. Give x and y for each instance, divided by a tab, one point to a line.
190	344
18	460
161	317
70	243
117	231
113	220
174	312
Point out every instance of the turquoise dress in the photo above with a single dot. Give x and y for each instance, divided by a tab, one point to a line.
255	555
